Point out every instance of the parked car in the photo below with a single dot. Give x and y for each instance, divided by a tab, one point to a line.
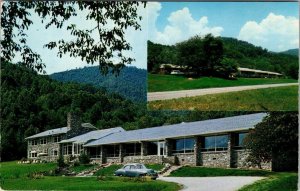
136	170
176	72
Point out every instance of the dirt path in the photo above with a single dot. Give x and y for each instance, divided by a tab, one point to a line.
226	183
153	96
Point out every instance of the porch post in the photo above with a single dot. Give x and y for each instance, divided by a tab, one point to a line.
230	151
121	153
144	148
197	150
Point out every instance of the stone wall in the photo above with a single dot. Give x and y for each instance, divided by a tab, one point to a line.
215	159
115	160
150	159
48	148
169	159
186	159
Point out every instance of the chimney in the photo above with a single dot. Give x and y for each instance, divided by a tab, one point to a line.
73	121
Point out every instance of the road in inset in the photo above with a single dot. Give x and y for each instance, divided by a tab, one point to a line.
153	96
225	183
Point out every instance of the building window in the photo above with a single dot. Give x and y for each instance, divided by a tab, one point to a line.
94	152
33	154
77	148
54	152
239	143
152	148
67	149
184	145
33	142
132	149
57	139
112	150
215	143
43	141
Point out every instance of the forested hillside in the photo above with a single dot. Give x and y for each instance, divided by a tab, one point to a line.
31	103
294	52
131	82
243	53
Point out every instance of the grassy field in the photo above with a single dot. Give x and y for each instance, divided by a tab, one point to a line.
269	99
87	183
206	172
81	167
108	171
13	176
274	181
12	170
157	82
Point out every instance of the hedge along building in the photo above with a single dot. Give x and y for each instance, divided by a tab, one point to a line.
213	143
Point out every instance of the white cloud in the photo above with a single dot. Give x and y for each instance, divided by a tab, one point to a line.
275	32
181	26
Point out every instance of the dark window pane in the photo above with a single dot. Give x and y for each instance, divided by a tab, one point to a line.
222	141
179	145
241	138
209	142
189	144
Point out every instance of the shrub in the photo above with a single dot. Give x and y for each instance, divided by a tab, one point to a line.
84	158
60	162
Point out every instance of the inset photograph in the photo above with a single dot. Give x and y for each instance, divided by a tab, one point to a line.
223	56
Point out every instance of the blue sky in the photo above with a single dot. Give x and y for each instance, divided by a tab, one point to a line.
272	25
230	15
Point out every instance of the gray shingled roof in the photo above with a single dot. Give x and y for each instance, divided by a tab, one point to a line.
50	132
57	131
93	135
213	126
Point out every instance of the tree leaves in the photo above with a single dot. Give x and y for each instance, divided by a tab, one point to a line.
107	49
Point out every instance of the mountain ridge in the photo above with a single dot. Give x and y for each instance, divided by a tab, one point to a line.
130	83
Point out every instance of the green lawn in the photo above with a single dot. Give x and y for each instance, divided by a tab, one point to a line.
276	182
269	99
87	183
158	82
14	170
206	172
156	167
108	171
13	176
81	167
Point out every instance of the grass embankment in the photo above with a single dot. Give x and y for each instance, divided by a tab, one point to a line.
108	171
206	172
87	183
82	167
14	177
274	181
158	83
269	99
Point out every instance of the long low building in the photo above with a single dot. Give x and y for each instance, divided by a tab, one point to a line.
213	143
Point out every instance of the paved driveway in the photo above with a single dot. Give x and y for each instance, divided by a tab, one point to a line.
152	96
226	183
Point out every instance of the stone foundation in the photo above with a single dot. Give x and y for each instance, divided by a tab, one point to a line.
215	159
115	160
150	159
186	159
